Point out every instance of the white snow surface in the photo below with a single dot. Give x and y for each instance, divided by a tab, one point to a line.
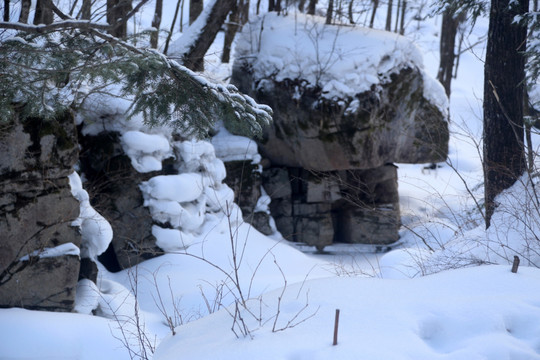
473	312
343	60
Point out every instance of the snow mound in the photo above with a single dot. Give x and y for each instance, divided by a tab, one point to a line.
343	60
479	313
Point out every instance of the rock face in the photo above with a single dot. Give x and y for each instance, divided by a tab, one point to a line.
391	124
114	185
337	133
350	206
245	179
37	209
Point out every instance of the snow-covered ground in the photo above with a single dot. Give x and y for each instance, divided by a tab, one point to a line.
291	296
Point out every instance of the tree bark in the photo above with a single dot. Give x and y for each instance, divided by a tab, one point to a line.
195	9
116	11
311	7
237	19
388	26
447	46
504	73
156	23
375	6
403	11
86	9
194	57
330	12
351	19
25	11
44	13
6	10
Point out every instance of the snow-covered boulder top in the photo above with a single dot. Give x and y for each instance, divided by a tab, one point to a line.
341	60
343	97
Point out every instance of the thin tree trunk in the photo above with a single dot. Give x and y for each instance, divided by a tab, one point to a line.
6	10
194	57
156	23
182	17
351	18
311	7
375	6
195	9
403	11
504	73
398	12
172	27
86	9
330	12
447	49
237	18
388	26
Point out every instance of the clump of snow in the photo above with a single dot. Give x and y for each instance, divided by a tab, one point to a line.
180	188
86	297
146	151
229	147
60	250
96	232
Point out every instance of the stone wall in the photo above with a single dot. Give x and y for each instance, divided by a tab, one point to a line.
36	212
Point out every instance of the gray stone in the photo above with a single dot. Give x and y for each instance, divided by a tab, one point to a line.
244	177
36	212
392	123
42	284
113	185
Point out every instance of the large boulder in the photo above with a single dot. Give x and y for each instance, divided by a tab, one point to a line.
348	102
39	247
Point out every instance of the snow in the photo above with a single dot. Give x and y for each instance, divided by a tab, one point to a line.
336	58
146	151
60	250
427	298
95	229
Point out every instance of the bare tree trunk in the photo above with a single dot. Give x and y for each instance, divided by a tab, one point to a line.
398	12
504	78
351	19
116	11
6	10
156	23
375	6
194	57
237	19
330	12
311	7
44	13
195	9
447	46
403	11
388	26
301	5
172	26
86	9
25	11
